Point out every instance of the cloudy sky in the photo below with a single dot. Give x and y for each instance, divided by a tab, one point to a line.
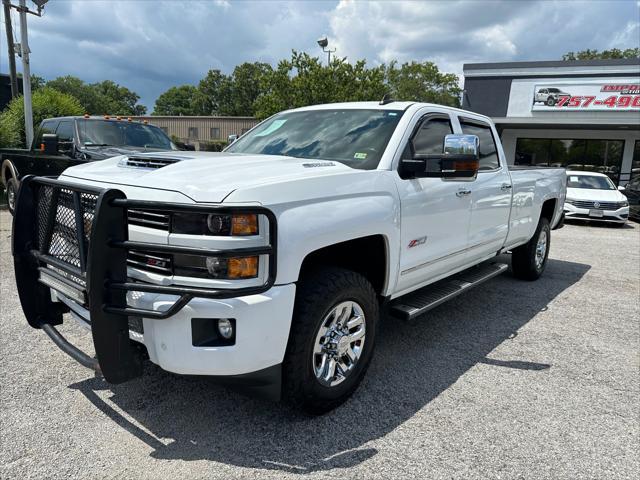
150	45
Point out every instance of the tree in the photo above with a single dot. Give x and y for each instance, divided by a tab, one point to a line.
213	93
102	98
245	89
605	54
46	103
303	80
180	100
423	82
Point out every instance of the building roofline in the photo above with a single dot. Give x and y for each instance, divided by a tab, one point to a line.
552	64
198	117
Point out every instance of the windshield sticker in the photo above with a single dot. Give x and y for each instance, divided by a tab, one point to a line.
360	155
573	179
271	128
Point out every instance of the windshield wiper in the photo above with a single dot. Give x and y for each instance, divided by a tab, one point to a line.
98	145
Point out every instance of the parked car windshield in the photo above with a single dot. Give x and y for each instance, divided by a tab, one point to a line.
356	138
121	133
591	182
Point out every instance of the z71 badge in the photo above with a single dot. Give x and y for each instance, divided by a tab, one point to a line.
417	241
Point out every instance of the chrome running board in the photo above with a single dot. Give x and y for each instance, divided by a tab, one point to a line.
414	304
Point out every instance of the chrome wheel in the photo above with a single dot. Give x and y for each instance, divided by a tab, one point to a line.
541	249
339	343
11	197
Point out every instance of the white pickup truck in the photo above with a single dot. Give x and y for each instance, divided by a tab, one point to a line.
268	265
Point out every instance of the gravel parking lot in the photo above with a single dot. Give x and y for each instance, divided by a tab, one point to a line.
512	380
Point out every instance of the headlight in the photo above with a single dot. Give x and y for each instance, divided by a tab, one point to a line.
624	204
214	224
233	268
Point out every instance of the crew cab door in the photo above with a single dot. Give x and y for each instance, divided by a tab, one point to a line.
490	193
435	212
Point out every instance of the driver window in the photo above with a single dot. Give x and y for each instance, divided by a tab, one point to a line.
430	136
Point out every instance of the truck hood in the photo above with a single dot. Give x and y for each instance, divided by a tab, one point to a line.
595	195
207	177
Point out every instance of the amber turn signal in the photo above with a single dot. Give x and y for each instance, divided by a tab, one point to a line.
244	224
242	267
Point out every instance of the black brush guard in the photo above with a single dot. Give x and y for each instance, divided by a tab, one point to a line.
93	261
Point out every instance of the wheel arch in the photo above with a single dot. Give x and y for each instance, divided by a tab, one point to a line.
368	256
7	171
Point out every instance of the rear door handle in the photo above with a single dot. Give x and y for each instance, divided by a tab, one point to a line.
463	193
505	187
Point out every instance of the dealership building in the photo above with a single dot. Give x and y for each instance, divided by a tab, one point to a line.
583	115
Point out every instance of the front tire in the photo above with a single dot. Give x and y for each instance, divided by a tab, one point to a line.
12	195
332	338
529	260
551	101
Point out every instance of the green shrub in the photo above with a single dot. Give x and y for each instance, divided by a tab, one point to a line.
46	103
216	146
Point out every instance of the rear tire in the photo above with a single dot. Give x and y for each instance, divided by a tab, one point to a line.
12	195
329	297
529	260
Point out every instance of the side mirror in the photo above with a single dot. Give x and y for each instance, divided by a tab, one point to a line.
50	143
232	138
621	188
460	159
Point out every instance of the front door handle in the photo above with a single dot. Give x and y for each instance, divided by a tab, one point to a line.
505	187
463	193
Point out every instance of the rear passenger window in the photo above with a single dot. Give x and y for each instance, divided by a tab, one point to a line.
488	151
430	137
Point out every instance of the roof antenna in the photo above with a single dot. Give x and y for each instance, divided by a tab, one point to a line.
386	99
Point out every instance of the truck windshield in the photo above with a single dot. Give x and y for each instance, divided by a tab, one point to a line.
591	182
119	133
356	138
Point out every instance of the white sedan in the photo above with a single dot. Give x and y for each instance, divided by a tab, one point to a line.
593	196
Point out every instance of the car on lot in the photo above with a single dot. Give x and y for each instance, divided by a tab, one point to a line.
549	96
63	142
594	196
632	192
267	265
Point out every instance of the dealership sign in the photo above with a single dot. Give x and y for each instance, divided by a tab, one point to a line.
607	96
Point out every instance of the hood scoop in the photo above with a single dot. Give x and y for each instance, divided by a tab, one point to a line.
155	162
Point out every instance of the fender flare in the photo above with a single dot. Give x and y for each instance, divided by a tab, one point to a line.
8	171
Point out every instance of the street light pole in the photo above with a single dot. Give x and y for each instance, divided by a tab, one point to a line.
26	73
323	42
10	50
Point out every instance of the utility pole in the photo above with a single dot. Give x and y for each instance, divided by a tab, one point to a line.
26	73
10	49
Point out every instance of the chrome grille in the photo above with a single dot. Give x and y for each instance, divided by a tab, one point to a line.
155	263
157	220
592	204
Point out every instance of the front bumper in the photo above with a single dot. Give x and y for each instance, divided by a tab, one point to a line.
262	325
572	212
89	277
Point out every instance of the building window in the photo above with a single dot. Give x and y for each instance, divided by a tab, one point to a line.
604	156
215	133
193	133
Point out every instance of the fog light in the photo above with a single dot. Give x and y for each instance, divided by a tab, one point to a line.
225	328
